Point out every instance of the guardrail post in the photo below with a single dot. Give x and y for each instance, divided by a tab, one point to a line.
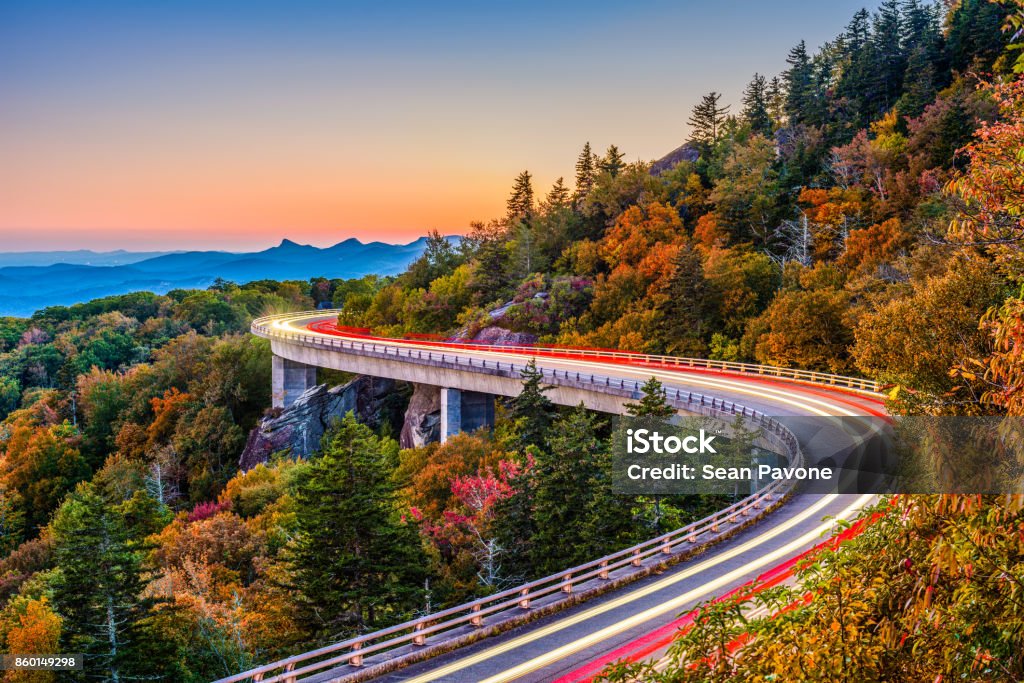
604	570
667	548
692	538
288	669
419	638
524	602
356	660
636	558
477	620
567	586
257	678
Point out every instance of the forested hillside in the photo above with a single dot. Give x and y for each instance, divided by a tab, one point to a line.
858	213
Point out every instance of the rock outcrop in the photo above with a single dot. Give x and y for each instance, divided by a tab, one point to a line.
422	418
299	428
687	152
501	336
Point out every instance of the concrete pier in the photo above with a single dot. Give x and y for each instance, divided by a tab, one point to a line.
464	411
289	380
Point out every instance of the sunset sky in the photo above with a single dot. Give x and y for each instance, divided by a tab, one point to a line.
181	125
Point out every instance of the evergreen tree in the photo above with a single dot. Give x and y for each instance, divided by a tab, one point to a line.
707	119
531	410
355	564
776	99
858	80
613	161
566	472
755	106
974	38
586	169
926	67
653	403
889	60
558	197
799	80
493	278
98	592
823	66
520	202
514	524
654	412
610	522
689	309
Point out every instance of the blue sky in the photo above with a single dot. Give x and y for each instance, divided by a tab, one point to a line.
230	124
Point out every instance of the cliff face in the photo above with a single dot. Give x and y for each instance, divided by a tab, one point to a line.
300	427
423	417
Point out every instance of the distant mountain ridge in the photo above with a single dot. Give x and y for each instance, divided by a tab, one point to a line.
28	282
86	257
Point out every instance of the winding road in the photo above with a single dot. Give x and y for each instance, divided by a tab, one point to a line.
560	645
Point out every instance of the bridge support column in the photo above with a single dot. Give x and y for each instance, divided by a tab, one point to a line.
464	411
289	380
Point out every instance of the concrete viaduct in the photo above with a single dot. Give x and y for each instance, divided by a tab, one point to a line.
729	547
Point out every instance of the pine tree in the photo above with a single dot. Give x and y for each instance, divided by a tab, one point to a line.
654	412
586	168
558	197
613	161
890	61
531	410
974	36
707	119
653	403
355	564
689	309
565	475
799	84
493	280
755	106
926	67
857	81
520	202
514	526
98	591
776	98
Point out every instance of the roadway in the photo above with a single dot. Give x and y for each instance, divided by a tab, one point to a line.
549	648
552	647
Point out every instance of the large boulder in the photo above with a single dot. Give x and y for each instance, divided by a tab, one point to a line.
300	427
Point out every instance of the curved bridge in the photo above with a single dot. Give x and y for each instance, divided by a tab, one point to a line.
548	644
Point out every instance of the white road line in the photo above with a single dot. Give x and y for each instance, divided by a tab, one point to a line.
653	588
676	603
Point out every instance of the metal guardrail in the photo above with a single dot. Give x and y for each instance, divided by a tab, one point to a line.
451	623
858	384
